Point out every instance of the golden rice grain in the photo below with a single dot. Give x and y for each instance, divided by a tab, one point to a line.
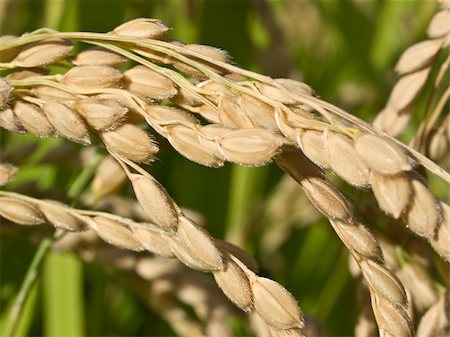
153	239
148	83
130	142
141	28
52	94
59	216
116	233
98	56
186	141
33	119
67	122
407	89
275	304
441	241
382	154
344	160
418	55
231	114
393	193
7	172
259	113
109	177
92	77
253	146
101	113
199	244
7	55
20	212
10	122
42	53
439	24
155	201
383	282
312	144
228	278
424	213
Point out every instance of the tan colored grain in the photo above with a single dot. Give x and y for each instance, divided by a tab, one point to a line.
155	201
199	244
186	141
42	53
148	83
92	77
101	113
231	114
436	320
21	212
418	56
407	89
344	160
109	177
33	119
98	56
438	146
210	136
259	113
312	144
27	73
165	116
276	93
441	240
360	239
275	304
7	55
384	282
326	198
439	25
130	142
184	254
295	87
47	93
141	28
393	193
211	53
153	239
67	122
228	278
116	234
10	122
392	320
382	155
7	172
59	216
424	213
5	92
253	146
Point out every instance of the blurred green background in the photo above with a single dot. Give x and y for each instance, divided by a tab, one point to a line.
345	50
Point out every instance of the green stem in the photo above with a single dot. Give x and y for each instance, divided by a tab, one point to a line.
80	183
246	187
32	274
30	278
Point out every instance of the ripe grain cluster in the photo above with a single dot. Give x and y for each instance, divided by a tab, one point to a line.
131	82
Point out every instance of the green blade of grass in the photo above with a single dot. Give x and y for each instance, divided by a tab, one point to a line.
247	184
62	296
26	317
15	314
